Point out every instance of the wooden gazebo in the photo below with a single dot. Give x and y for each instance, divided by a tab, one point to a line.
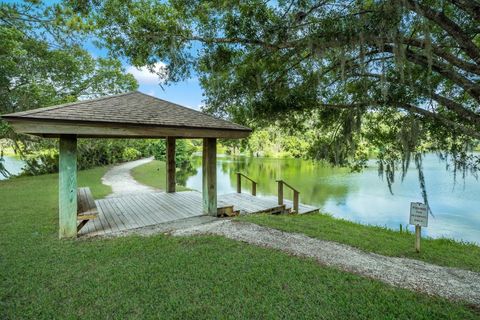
129	115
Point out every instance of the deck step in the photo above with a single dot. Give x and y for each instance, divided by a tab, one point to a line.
227	211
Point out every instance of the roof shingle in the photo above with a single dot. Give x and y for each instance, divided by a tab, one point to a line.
134	108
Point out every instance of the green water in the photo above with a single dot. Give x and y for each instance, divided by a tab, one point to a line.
362	197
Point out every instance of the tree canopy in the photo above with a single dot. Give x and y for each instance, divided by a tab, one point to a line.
43	63
400	75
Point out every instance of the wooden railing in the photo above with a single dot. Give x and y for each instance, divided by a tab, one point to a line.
296	193
239	183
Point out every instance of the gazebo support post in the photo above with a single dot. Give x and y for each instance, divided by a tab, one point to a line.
67	187
209	168
170	164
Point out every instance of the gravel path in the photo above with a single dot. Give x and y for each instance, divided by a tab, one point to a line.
401	272
122	182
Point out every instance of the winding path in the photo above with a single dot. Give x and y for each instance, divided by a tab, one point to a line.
405	273
122	182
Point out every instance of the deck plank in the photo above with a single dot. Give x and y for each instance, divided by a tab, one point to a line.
168	213
130	204
146	209
121	219
119	225
133	220
157	212
103	220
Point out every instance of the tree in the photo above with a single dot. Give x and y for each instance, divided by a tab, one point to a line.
42	62
408	68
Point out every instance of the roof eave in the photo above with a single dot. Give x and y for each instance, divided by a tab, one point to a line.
89	129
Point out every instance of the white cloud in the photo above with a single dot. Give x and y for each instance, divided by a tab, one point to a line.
143	75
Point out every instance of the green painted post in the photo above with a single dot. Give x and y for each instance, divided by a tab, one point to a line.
209	179
67	187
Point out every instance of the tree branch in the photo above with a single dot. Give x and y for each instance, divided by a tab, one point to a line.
471	88
457	108
469	6
412	109
453	29
462	64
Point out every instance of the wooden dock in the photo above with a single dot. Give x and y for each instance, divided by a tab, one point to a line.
147	209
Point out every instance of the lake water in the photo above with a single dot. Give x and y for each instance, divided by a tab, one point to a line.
13	165
362	197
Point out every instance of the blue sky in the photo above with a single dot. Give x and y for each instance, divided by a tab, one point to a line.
187	93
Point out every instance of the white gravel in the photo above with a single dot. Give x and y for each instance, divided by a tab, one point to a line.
122	182
406	273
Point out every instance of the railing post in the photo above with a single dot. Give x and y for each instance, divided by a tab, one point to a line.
295	201
239	182
280	192
254	188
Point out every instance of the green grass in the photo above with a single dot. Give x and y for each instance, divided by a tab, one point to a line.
380	240
160	276
153	174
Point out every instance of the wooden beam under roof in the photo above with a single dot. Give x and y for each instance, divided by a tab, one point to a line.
55	129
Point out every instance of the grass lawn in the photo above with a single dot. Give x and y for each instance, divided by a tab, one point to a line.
143	174
160	276
375	239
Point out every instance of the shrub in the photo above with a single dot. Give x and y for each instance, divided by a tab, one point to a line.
41	162
42	157
130	154
183	151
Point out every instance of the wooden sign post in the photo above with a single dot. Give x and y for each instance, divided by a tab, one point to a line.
418	218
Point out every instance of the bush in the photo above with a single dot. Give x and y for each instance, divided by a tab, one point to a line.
183	151
42	157
41	162
130	154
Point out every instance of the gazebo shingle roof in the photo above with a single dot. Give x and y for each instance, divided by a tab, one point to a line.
128	109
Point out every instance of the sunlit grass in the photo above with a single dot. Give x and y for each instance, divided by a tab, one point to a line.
173	278
153	174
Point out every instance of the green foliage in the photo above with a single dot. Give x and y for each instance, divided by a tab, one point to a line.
275	141
328	65
183	151
34	74
130	154
380	240
173	277
42	157
42	63
41	162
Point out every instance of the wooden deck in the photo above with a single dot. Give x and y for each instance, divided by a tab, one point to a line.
248	204
147	209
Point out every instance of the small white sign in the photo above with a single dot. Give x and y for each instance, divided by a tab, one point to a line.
418	214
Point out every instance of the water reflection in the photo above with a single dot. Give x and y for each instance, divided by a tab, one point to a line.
361	197
13	165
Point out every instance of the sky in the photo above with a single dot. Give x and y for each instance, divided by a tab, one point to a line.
187	93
